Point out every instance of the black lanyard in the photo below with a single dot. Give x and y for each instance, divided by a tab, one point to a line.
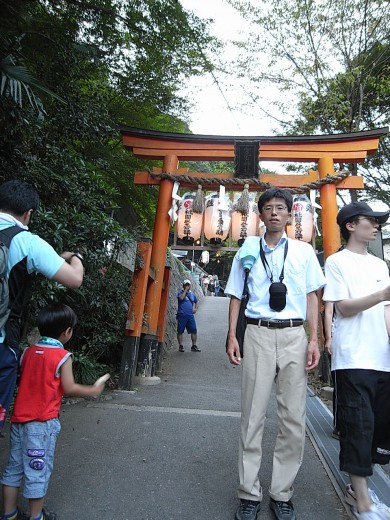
265	263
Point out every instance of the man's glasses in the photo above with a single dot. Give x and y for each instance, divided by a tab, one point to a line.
372	220
277	209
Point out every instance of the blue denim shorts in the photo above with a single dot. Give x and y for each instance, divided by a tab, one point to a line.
31	456
186	322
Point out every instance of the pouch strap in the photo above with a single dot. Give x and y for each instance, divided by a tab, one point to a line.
265	263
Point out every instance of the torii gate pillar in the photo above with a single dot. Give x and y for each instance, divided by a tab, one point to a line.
159	250
151	341
330	229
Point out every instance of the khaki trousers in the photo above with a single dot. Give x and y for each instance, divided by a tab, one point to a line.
272	355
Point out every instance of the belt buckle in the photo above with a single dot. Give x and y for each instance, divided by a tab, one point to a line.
268	324
291	323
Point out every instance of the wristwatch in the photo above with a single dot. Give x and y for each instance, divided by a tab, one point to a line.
79	256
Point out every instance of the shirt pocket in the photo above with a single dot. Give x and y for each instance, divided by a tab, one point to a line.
295	279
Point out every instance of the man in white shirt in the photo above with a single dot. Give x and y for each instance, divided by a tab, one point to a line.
359	286
275	350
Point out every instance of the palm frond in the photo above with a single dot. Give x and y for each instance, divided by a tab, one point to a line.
14	77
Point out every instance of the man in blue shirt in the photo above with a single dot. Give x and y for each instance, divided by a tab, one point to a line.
282	294
187	307
28	254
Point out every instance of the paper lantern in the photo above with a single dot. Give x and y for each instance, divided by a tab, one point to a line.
245	224
217	218
302	225
189	224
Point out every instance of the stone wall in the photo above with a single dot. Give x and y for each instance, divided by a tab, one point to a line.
178	273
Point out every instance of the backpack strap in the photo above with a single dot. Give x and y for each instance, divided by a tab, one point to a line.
6	235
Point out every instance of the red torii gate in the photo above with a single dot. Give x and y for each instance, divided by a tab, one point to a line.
148	301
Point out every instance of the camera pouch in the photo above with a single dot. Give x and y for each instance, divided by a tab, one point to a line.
277	296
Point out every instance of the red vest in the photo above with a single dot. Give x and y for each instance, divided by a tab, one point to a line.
40	392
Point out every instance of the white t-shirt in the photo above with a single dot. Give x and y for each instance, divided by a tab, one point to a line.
359	341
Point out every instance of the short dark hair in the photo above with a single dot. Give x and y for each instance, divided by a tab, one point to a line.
343	227
17	197
275	193
54	319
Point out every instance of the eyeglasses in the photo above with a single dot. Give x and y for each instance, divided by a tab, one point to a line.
372	220
277	209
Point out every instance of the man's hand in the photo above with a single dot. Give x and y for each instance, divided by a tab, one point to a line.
233	351
328	346
313	355
66	255
70	274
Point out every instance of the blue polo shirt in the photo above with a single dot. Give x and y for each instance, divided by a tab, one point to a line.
185	307
40	257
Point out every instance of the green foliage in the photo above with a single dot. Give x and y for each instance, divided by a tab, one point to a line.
220	264
76	215
222	167
87	370
331	61
71	72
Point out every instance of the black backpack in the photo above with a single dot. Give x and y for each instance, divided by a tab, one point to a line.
6	236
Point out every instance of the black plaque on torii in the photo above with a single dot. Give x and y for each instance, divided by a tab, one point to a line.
246	159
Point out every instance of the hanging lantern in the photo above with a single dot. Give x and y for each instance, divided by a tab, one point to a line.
245	224
217	217
189	224
302	224
315	213
205	257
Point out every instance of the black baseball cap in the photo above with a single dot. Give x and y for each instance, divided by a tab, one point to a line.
356	209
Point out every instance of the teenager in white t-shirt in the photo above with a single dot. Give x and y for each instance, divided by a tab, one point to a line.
359	285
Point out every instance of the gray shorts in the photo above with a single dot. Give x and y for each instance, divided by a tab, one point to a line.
31	456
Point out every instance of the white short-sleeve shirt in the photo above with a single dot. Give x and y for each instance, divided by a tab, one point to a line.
360	341
302	275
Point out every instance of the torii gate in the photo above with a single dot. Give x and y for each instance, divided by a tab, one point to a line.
145	326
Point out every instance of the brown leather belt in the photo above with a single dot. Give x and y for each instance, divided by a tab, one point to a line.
274	324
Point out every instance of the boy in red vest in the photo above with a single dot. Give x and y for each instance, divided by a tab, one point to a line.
46	374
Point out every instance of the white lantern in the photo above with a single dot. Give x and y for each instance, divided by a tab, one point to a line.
189	224
217	218
245	224
302	225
